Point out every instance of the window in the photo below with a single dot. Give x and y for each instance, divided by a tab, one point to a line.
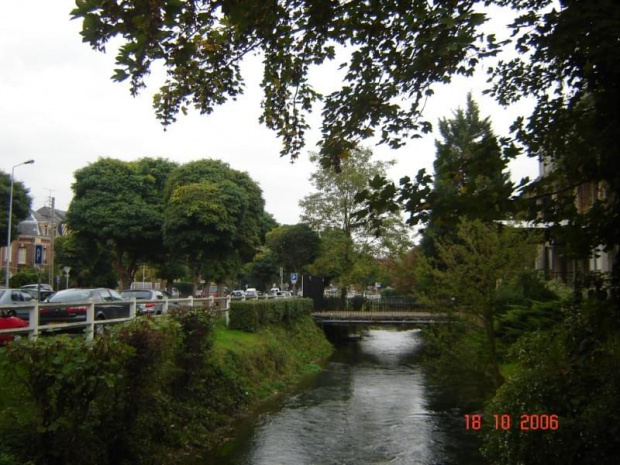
21	255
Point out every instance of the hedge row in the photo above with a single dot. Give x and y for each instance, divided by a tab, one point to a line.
126	397
251	315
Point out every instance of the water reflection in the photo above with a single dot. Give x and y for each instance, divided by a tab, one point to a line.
369	406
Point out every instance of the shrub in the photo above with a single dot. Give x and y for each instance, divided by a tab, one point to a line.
135	424
253	314
570	371
22	278
64	384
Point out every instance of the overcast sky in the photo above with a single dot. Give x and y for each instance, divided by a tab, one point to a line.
59	107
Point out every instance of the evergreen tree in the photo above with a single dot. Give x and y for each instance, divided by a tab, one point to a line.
471	179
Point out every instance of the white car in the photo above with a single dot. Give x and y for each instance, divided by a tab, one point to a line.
251	293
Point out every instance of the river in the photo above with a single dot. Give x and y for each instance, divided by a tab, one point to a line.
370	405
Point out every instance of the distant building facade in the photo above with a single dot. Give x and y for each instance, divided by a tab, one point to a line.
553	258
38	229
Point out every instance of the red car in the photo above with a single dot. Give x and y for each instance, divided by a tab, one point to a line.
9	322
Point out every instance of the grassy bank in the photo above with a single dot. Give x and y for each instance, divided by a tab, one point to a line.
147	393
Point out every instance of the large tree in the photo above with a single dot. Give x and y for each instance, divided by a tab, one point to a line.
333	205
470	179
470	269
119	205
293	246
214	217
21	206
566	52
333	208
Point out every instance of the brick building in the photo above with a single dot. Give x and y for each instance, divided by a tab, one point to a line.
37	229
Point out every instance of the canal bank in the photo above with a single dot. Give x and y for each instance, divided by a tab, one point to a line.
153	391
372	404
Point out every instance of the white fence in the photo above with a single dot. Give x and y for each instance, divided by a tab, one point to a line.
261	297
91	324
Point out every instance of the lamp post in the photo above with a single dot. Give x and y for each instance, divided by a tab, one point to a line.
8	231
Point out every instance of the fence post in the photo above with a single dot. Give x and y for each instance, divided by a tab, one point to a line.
133	308
191	300
90	319
33	321
227	311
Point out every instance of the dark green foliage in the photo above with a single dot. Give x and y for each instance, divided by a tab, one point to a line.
252	315
566	61
136	426
399	49
22	278
184	288
457	362
261	272
570	371
59	388
470	181
356	303
144	393
118	206
520	319
214	217
196	328
90	262
293	246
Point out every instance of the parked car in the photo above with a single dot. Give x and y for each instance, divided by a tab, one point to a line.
45	290
9	321
115	306
14	298
238	294
148	308
251	293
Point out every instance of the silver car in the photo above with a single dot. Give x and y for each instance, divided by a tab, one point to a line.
148	308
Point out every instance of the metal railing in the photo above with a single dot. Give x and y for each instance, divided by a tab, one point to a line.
91	324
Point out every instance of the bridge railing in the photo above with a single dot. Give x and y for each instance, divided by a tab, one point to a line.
371	304
91	325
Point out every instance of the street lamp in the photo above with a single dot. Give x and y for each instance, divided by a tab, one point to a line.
8	231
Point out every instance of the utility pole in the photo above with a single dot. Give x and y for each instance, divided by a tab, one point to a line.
52	235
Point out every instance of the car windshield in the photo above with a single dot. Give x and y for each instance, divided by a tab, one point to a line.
144	295
73	295
115	295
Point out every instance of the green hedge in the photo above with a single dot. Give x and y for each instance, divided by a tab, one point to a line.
146	392
251	315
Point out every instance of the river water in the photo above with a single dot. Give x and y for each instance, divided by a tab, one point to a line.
371	405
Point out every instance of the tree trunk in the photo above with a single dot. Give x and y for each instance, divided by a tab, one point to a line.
494	365
343	297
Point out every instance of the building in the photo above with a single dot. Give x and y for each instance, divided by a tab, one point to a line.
40	228
553	258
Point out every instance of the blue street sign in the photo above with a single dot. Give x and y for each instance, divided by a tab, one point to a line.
293	278
38	254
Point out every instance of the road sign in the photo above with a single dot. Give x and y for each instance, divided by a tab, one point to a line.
293	278
38	254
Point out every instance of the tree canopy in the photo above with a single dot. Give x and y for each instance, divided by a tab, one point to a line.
214	216
21	205
471	268
334	206
398	51
118	205
293	246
